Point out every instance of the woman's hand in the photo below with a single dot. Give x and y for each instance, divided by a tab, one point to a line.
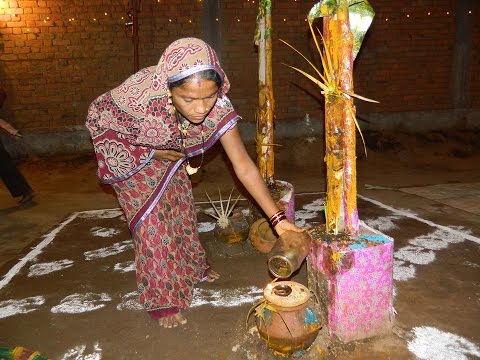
170	155
286	225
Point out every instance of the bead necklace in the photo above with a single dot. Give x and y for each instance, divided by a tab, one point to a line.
183	127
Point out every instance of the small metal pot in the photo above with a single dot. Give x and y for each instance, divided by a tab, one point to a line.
288	253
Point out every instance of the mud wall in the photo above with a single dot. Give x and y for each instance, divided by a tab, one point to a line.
420	59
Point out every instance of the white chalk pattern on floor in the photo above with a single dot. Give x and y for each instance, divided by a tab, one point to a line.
211	297
309	211
104	232
114	249
406	213
20	306
421	250
130	302
226	298
78	353
126	266
37	250
80	303
430	343
101	214
41	269
384	223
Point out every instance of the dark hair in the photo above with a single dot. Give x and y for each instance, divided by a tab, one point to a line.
204	75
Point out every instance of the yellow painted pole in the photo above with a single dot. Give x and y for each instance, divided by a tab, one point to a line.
340	137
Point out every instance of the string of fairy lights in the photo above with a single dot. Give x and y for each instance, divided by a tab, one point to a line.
7	9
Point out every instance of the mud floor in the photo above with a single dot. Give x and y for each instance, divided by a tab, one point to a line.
67	286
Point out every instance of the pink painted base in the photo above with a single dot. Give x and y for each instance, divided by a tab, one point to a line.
354	282
287	202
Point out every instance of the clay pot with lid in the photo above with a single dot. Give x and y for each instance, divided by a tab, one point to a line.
262	236
287	320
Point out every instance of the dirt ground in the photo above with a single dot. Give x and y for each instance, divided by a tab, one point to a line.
424	184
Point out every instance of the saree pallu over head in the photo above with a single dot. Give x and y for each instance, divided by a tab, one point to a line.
128	123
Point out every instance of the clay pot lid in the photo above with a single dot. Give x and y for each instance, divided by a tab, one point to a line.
286	293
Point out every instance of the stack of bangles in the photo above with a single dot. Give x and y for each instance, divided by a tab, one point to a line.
276	218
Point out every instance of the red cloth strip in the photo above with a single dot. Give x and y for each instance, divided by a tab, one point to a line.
161	313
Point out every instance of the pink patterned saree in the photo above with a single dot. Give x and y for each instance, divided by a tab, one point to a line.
127	125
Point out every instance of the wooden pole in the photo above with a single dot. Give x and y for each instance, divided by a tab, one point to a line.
132	14
340	136
265	111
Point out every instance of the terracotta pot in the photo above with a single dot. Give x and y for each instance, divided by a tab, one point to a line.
236	231
262	236
289	324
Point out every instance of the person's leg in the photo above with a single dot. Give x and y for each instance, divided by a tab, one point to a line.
170	259
13	179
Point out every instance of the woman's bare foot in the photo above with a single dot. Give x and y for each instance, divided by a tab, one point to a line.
212	275
172	321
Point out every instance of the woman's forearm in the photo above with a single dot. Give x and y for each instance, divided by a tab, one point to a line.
256	187
247	172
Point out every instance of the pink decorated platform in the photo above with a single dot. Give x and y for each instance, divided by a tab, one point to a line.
353	281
